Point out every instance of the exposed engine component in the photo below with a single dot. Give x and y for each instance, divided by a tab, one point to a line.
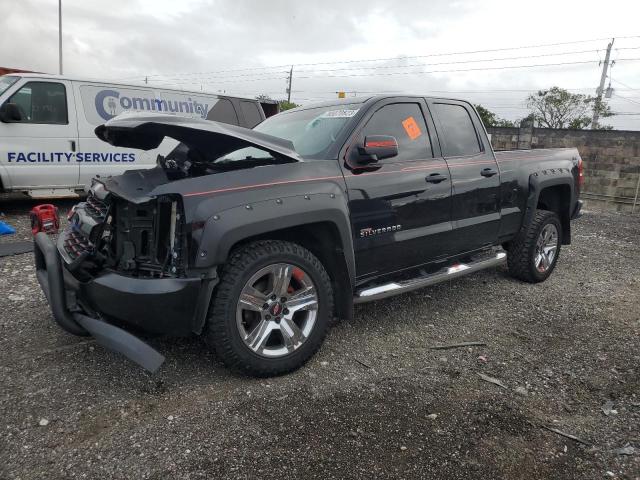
145	240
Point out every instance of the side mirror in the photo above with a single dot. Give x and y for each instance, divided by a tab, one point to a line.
374	149
10	113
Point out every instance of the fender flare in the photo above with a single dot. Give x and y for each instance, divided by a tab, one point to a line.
538	181
226	228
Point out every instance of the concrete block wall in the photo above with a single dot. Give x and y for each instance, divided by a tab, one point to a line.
611	159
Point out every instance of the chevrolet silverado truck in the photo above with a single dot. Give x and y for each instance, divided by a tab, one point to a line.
257	238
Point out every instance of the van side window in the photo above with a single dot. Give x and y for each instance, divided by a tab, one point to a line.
223	112
405	122
251	114
42	102
459	134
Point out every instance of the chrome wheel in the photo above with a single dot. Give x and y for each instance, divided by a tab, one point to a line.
277	310
546	248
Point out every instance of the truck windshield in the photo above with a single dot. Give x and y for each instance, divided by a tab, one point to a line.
312	131
6	81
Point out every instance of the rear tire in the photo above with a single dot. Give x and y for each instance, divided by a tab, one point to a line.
533	254
271	310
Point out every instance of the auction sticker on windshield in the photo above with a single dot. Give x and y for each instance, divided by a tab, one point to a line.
342	113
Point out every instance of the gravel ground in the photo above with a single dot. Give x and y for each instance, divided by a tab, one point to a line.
375	402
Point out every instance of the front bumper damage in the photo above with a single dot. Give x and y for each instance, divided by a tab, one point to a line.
94	307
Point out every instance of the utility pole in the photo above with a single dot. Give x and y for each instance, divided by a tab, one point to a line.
60	35
289	87
603	78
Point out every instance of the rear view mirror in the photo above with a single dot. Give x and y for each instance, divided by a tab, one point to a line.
10	113
374	149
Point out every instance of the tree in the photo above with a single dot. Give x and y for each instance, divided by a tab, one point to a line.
284	105
558	108
490	119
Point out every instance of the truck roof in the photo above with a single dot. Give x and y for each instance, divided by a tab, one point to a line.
370	98
72	78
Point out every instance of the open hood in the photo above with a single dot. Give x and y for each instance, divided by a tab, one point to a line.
146	131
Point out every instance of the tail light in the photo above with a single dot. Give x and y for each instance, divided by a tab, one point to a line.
580	172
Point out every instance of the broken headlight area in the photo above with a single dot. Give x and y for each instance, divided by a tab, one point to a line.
146	240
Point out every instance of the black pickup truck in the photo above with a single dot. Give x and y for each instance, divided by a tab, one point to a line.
256	238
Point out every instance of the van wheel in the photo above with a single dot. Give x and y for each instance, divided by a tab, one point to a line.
271	309
533	254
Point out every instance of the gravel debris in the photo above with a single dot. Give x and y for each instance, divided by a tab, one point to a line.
608	409
572	342
628	450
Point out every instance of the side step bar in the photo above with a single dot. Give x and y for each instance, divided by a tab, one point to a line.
395	288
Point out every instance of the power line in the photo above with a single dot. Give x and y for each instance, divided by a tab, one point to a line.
505	67
455	62
627	99
471	52
374	67
625	85
377	74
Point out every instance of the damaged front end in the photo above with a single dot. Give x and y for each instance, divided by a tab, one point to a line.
126	260
141	240
121	267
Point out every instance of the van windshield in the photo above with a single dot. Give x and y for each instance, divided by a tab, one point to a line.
6	81
312	131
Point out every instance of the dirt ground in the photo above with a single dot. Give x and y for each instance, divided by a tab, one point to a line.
375	402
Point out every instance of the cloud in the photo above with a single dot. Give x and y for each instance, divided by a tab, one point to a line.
192	44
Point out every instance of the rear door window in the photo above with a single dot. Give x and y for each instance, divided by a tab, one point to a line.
459	136
42	102
251	113
405	122
224	112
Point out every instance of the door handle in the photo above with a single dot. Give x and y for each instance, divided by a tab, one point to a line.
488	172
73	145
435	178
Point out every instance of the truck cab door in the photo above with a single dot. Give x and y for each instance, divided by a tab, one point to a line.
38	148
401	206
474	174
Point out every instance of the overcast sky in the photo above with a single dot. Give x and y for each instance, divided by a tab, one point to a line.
247	47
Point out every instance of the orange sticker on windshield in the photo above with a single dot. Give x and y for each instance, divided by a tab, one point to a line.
411	127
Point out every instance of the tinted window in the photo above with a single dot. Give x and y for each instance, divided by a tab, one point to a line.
405	122
42	102
224	112
251	114
459	135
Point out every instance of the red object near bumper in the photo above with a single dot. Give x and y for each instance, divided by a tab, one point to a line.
44	218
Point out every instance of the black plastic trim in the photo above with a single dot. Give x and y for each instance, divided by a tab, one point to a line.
49	274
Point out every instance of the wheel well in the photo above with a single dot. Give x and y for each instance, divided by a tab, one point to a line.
323	240
558	199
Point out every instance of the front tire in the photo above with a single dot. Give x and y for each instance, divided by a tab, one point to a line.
533	254
271	310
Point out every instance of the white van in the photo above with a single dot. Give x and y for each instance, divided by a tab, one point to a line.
47	143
